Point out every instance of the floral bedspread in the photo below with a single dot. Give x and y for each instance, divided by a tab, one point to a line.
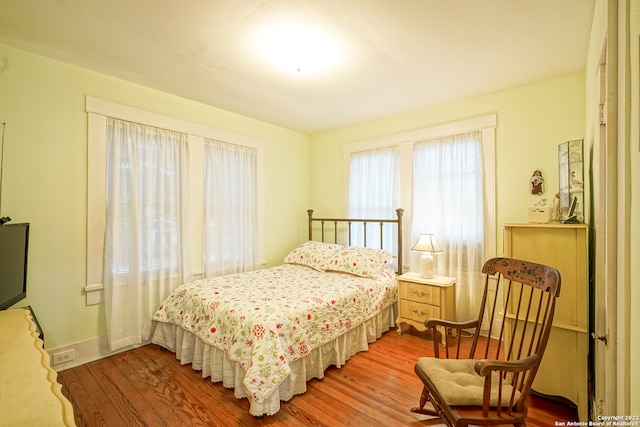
266	319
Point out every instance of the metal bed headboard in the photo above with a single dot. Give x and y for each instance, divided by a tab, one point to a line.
364	222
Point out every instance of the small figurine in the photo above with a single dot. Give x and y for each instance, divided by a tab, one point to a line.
555	211
537	182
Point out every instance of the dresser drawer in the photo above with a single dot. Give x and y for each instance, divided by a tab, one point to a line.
421	293
419	311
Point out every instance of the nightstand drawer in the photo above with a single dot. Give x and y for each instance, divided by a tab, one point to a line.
419	311
421	293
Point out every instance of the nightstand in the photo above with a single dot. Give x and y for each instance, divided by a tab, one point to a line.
421	299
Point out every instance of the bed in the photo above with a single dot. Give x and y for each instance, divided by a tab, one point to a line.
265	333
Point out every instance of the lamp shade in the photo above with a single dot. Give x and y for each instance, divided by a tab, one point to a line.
427	243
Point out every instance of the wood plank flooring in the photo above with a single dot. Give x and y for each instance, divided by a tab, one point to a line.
148	387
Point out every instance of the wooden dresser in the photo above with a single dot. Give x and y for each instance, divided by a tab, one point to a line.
30	394
564	368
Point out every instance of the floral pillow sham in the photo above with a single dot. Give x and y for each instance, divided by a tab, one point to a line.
313	254
363	262
321	256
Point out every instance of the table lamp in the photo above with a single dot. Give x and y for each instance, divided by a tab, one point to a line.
428	245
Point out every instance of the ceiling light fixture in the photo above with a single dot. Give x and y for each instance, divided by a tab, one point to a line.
299	60
298	50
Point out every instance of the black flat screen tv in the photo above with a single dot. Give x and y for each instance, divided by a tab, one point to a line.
14	248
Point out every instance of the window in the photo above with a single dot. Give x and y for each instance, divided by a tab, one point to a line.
448	200
373	192
446	186
230	232
145	186
151	195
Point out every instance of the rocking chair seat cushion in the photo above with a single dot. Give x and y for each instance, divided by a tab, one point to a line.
459	385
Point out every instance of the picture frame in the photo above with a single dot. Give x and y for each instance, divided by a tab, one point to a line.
571	181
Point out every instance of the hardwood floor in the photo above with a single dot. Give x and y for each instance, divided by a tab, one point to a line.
148	387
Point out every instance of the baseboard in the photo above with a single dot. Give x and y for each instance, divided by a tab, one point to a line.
85	352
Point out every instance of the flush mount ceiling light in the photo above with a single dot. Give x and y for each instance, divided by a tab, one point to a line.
298	50
299	60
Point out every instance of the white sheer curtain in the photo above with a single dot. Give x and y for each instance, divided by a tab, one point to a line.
374	183
147	231
448	201
230	204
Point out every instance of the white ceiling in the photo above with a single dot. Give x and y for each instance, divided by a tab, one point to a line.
391	56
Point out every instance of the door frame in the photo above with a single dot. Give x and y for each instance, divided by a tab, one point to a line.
604	330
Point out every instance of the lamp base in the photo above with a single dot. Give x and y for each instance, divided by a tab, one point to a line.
426	266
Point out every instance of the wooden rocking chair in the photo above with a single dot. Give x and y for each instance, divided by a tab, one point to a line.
485	378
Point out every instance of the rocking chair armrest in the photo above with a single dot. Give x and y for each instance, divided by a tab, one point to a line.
486	366
431	323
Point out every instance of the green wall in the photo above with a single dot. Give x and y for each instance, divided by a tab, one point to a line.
532	121
45	178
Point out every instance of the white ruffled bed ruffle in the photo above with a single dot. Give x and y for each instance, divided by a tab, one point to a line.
216	364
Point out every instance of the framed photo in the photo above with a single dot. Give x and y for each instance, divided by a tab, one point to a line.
571	178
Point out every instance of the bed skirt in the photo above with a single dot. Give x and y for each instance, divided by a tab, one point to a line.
215	363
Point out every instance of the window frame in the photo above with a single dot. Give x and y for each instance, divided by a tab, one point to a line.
97	112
